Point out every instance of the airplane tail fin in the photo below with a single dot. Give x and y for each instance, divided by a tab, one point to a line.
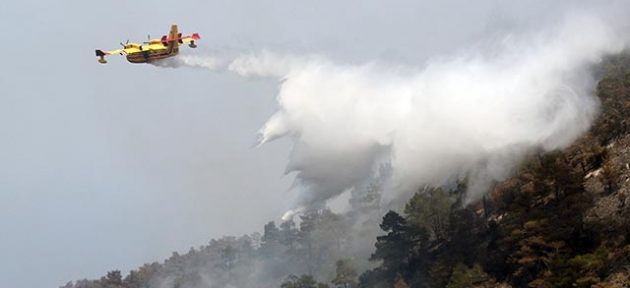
174	38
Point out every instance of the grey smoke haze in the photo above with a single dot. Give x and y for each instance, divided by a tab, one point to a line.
109	167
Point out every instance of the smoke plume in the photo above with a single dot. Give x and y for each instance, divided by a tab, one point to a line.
474	115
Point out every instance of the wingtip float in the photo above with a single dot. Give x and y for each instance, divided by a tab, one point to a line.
154	49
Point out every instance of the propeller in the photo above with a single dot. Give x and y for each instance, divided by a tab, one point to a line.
124	45
148	40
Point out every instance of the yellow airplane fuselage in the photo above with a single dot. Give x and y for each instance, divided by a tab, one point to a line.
149	55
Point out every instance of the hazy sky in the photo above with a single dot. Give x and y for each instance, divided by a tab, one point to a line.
111	166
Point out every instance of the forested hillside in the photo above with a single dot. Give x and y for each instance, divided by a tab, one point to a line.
562	220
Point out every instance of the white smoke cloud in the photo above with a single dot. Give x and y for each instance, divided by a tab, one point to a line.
266	64
474	114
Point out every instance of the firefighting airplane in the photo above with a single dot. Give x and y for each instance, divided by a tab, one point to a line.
154	49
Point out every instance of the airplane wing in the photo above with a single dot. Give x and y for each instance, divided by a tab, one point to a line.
118	51
193	37
123	52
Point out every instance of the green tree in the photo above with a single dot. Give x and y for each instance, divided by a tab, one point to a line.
270	245
90	283
464	276
133	280
346	275
395	249
580	271
289	235
228	260
304	281
307	228
430	209
113	279
399	282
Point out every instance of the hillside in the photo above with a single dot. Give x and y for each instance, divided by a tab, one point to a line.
560	221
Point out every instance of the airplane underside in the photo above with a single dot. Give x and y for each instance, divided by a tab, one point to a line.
148	56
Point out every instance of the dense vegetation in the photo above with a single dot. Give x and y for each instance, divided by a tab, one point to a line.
561	221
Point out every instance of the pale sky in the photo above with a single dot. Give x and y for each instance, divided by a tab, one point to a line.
107	167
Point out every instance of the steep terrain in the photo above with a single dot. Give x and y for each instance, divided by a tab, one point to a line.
562	220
